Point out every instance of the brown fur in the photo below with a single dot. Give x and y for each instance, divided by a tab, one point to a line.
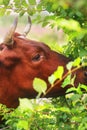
19	67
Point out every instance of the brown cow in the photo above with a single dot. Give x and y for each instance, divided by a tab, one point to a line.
21	60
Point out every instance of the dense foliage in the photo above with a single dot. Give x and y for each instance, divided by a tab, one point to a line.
67	112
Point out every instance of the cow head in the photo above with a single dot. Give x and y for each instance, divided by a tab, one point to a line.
21	60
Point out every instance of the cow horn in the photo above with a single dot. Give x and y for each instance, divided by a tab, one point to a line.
8	38
27	28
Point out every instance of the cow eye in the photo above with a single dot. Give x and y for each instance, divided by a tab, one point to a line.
36	57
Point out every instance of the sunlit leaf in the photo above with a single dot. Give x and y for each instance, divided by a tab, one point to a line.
72	80
69	65
51	79
23	125
56	75
39	85
77	62
59	72
72	89
79	91
82	86
25	104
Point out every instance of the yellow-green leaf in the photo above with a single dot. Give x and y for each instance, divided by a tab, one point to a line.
6	2
69	65
32	2
39	86
59	72
51	79
77	62
56	75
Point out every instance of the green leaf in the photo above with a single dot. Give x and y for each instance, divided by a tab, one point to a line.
72	89
2	11
56	75
84	61
82	52
25	104
69	65
32	2
59	72
67	81
82	86
79	91
51	79
77	62
6	2
21	13
22	125
72	80
79	14
75	97
24	3
45	23
40	86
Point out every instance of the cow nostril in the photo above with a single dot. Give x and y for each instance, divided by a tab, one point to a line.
85	73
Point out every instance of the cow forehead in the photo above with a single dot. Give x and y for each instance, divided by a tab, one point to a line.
30	45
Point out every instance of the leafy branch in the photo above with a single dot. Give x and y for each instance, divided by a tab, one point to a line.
60	80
